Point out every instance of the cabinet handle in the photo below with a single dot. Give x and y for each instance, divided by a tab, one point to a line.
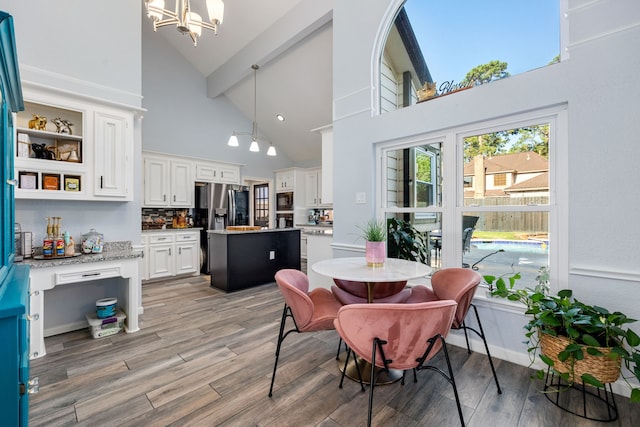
33	317
34	293
174	197
169	251
91	274
101	181
13	182
164	197
162	238
179	251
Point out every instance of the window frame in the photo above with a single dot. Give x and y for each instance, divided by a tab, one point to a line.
452	206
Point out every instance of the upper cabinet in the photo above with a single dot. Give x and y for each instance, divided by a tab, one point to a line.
285	181
169	180
217	172
314	187
327	165
71	148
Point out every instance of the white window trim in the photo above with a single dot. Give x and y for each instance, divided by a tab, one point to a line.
452	165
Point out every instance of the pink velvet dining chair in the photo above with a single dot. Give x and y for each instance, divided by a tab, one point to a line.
310	311
398	336
352	292
458	284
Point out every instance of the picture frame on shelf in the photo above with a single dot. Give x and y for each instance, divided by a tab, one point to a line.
50	181
72	183
28	180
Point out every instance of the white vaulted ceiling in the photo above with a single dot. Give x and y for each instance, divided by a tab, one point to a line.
291	40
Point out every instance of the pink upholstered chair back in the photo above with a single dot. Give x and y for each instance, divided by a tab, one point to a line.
294	286
405	327
458	284
359	289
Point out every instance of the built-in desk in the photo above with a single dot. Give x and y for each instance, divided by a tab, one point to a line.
119	262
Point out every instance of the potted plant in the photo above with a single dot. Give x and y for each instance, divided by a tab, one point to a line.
581	343
406	242
374	234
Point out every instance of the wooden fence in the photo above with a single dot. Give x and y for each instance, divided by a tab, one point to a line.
530	222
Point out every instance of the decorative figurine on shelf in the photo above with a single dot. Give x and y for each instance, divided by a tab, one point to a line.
38	122
62	125
42	151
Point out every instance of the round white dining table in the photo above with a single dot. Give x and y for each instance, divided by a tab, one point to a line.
356	269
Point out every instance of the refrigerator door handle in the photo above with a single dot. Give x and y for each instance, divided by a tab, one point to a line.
232	207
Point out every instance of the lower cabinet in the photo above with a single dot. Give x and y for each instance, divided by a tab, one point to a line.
172	253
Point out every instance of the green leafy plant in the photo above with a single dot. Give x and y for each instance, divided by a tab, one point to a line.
374	231
587	329
406	242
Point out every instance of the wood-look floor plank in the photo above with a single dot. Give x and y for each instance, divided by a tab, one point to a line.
204	358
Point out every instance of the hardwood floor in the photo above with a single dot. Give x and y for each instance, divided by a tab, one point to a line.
204	358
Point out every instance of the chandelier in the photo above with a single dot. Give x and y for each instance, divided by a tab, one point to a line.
255	147
186	21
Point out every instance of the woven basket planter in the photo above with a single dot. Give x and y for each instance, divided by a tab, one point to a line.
605	369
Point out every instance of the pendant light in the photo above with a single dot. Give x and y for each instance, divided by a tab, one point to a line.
254	147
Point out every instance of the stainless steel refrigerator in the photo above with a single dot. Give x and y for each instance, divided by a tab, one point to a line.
219	206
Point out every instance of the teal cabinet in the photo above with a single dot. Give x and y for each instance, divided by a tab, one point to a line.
14	280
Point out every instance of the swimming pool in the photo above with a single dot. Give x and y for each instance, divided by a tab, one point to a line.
528	246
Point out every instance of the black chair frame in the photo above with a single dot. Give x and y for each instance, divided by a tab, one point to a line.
480	333
378	344
286	312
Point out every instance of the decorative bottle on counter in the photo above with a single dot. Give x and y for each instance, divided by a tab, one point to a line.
48	243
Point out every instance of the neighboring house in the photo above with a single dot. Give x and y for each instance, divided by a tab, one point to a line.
507	175
403	69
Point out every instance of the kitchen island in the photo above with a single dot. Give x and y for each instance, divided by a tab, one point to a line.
246	258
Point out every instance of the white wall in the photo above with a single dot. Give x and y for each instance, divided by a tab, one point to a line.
599	85
181	119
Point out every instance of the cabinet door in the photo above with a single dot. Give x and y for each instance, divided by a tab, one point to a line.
206	172
156	182
312	189
187	257
161	261
182	184
228	174
112	146
284	181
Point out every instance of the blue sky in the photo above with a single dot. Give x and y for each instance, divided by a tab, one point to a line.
457	35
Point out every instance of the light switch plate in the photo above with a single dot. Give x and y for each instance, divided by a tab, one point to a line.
272	255
361	197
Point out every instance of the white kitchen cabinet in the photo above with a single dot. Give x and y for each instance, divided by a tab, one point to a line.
285	180
83	147
113	153
217	172
167	183
187	253
161	252
172	253
314	188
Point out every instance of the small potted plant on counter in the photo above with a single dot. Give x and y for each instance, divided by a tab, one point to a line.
579	343
374	234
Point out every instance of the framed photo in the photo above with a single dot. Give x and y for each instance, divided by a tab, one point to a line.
71	183
28	180
50	181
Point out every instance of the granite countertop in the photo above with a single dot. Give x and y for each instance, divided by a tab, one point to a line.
112	251
328	232
171	230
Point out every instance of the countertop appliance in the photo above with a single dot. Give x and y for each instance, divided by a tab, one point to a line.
284	201
217	207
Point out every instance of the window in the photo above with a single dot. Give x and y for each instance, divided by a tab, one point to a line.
500	179
494	230
261	205
438	47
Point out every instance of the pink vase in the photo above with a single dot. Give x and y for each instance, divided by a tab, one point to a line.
376	252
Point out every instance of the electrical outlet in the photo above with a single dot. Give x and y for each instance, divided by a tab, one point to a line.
272	255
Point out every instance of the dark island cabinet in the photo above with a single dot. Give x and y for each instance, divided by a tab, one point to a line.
240	260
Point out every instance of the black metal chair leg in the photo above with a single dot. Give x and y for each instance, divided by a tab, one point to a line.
280	339
486	347
452	380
